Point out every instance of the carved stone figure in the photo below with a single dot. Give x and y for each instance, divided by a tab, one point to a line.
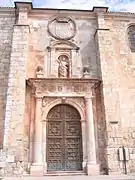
63	67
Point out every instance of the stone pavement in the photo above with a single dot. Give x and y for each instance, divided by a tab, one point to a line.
81	177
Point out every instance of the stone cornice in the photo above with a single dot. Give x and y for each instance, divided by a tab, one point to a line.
35	12
126	16
7	11
62	86
63	80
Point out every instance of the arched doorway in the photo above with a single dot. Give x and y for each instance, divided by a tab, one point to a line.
64	139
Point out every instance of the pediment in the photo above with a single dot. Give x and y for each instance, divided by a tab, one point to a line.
64	44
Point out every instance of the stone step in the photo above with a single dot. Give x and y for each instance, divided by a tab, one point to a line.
65	173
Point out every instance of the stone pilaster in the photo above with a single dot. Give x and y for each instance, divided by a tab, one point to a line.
107	58
92	166
16	85
15	106
84	143
45	145
23	9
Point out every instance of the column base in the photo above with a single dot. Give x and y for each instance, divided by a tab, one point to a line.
93	169
36	170
45	168
84	166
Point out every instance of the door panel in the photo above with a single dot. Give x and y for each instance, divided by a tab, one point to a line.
64	139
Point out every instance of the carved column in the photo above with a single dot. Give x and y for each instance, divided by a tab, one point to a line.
84	141
37	166
73	65
92	166
44	145
48	62
38	133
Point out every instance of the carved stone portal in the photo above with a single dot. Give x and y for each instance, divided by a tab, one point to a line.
63	124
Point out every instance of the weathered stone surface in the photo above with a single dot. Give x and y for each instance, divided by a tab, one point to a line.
98	52
6	31
116	62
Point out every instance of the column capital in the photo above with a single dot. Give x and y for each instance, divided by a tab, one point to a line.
23	6
44	120
23	9
38	97
83	120
88	97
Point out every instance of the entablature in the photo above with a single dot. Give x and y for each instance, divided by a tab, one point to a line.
62	86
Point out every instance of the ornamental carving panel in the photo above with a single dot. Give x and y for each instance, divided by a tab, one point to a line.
54	129
63	85
55	155
62	28
72	128
64	139
48	100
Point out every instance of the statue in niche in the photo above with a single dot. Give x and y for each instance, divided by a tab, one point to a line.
63	67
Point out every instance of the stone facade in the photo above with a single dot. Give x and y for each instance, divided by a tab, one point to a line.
73	58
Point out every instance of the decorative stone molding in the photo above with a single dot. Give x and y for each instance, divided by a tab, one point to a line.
50	102
68	44
51	86
100	9
22	10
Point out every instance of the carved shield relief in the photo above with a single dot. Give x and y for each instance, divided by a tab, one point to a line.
62	28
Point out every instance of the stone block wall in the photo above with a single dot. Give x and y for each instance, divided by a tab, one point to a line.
7	19
117	70
15	106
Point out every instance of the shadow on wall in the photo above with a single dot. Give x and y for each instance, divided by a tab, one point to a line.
101	119
101	130
88	54
6	27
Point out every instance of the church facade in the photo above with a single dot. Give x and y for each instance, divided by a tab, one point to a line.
67	91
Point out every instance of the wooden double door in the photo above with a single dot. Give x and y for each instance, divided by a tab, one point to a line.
64	139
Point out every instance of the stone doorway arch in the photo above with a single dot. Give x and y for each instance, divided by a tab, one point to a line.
64	139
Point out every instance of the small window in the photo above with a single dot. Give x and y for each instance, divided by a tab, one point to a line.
131	37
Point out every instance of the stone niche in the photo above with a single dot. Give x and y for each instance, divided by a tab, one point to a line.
63	60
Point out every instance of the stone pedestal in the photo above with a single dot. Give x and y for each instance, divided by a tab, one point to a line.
93	169
92	166
36	170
